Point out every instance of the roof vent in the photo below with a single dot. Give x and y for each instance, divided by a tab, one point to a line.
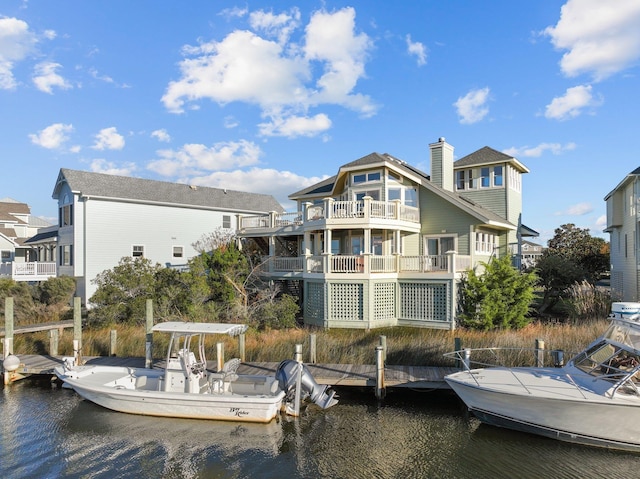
193	187
441	139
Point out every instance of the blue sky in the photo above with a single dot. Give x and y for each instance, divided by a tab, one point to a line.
273	97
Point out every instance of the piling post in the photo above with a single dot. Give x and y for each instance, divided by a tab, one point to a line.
54	337
242	347
8	335
77	330
298	396
457	346
220	355
113	342
466	362
380	389
148	346
312	348
539	353
8	327
383	343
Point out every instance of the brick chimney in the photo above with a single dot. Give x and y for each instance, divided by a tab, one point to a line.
442	164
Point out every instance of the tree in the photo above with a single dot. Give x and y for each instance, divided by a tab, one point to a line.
590	254
498	298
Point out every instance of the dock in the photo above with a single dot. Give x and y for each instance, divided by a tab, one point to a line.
338	375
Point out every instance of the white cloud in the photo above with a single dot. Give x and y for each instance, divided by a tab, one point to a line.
473	106
52	137
418	49
276	26
161	135
600	37
45	77
100	165
230	122
579	209
109	139
197	159
16	43
258	180
572	103
294	126
537	151
279	76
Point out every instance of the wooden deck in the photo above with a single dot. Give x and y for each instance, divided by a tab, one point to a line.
347	375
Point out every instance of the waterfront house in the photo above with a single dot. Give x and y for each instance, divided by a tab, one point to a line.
622	226
19	260
382	243
103	218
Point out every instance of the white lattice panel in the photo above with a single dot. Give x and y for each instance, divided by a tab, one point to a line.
384	301
346	301
315	301
424	301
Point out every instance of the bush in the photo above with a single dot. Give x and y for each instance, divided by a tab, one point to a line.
280	313
499	298
57	291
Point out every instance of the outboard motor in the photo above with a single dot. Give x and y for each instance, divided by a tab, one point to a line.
287	373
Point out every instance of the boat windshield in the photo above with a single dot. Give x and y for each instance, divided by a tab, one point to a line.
608	361
624	332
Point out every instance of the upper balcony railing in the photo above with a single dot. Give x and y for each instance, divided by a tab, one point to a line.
331	209
33	271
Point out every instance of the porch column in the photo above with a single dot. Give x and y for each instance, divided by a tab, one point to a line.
396	208
306	252
367	206
327	251
328	207
367	251
272	252
305	209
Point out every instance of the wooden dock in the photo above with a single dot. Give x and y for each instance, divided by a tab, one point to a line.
340	375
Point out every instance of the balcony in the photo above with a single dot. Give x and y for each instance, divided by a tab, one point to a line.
33	271
364	264
332	212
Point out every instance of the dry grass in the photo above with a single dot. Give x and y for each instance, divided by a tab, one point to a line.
405	346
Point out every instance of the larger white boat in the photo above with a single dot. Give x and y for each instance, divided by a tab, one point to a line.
186	388
594	399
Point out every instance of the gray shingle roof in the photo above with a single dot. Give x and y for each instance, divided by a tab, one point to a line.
486	156
152	191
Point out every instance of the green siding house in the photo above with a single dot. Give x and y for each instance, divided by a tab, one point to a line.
382	243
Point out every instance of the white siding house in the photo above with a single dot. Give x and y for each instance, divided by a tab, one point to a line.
103	218
623	219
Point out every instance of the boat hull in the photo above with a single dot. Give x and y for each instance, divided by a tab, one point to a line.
543	403
96	384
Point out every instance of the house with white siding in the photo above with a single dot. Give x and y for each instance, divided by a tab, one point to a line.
623	219
103	218
382	243
18	258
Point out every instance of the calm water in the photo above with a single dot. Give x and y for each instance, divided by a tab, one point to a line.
46	432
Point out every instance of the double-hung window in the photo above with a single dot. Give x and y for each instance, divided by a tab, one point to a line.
137	251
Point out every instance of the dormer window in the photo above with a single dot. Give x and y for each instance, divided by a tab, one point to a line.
497	176
485	180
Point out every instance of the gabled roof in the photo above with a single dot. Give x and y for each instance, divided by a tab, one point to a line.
44	236
10	208
488	156
125	188
626	180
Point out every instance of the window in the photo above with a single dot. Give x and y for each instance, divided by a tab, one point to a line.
365	177
394	194
66	255
497	175
374	194
460	183
392	175
137	251
486	243
65	215
335	246
484	178
357	243
6	255
376	244
226	221
440	245
411	197
178	252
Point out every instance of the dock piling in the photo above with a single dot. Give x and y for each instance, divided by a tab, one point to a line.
380	389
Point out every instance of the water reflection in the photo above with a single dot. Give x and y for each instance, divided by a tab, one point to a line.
51	433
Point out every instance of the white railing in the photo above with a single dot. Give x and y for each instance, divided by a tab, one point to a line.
288	219
28	271
347	209
251	222
364	263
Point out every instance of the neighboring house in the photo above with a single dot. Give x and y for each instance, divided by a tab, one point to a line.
18	259
530	253
622	225
103	218
383	244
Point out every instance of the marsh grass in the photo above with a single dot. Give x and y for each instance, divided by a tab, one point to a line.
405	346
